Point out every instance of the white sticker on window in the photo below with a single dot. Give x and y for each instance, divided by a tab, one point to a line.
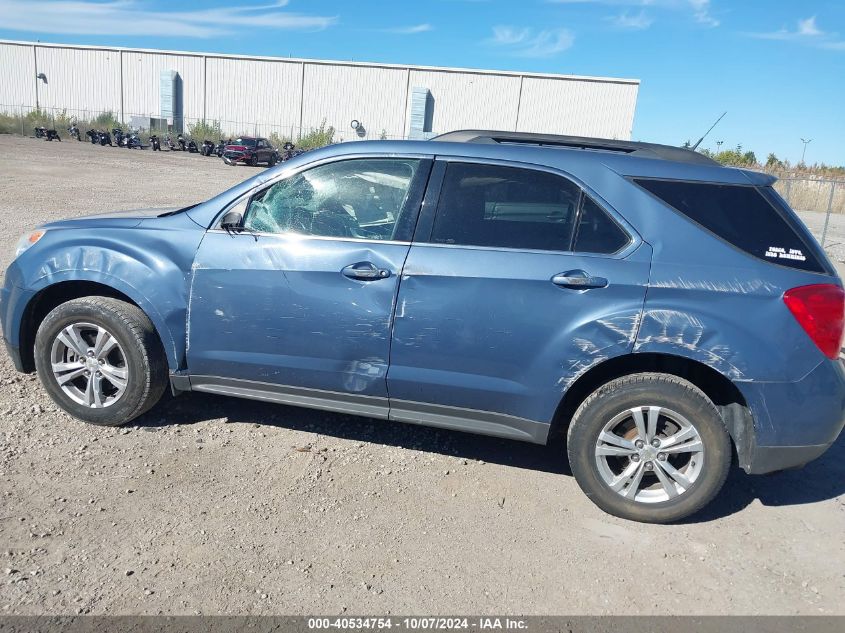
776	252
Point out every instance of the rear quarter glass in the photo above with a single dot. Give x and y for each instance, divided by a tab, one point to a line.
745	217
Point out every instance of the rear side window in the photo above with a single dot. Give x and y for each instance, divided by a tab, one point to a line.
507	207
740	215
597	232
511	207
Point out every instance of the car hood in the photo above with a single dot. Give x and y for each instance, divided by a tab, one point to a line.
126	219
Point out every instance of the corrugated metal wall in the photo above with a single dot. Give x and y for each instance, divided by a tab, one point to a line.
242	93
79	79
141	73
18	75
374	96
569	107
265	95
469	100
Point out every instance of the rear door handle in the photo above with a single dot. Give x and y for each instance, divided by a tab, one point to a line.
365	271
578	280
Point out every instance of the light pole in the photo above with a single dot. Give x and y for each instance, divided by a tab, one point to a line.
719	146
806	142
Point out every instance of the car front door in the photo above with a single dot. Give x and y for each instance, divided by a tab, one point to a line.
296	305
518	284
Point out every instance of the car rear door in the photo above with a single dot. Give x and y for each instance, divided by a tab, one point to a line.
297	306
263	151
519	283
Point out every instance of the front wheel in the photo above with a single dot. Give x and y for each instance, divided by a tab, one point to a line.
649	447
100	360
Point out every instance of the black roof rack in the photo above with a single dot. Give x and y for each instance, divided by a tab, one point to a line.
641	150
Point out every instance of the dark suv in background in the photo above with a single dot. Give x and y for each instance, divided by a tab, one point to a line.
250	151
659	311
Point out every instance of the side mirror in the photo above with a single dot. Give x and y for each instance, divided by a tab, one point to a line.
231	220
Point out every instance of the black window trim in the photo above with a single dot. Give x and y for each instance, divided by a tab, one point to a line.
432	202
802	234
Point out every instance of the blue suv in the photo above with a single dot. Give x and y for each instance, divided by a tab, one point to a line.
660	312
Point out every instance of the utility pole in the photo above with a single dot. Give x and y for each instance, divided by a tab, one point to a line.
719	146
806	142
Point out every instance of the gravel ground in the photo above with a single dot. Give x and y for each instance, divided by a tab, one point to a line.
212	505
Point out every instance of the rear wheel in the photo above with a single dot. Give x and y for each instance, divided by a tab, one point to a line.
100	360
649	447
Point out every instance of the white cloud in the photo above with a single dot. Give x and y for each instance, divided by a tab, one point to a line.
410	30
526	42
699	9
129	17
701	13
808	27
635	22
806	32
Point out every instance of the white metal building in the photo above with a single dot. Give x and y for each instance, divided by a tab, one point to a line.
267	94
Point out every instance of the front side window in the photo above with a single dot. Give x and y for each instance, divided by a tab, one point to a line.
360	198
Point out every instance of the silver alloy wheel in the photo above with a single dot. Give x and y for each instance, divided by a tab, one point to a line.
649	454
89	365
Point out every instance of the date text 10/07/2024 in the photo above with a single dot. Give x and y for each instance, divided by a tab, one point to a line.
418	623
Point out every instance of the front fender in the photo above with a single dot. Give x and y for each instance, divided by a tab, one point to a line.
165	324
150	264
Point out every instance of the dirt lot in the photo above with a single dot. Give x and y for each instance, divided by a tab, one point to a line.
210	505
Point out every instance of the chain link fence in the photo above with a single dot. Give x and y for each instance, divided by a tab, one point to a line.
815	195
22	119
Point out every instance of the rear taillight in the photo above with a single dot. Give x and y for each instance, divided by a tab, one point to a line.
820	309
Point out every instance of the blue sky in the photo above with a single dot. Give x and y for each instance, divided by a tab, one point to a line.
776	66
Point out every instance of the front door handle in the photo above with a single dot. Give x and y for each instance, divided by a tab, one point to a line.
578	280
365	271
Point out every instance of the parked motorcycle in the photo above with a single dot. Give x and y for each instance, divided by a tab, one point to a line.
104	138
118	136
168	140
207	148
182	144
289	150
192	147
132	140
93	136
155	143
73	130
221	147
47	135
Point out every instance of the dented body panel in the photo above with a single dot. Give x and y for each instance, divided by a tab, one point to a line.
482	328
146	258
478	339
276	309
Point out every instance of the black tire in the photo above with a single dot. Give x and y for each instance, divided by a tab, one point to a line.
139	347
649	390
253	161
272	161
